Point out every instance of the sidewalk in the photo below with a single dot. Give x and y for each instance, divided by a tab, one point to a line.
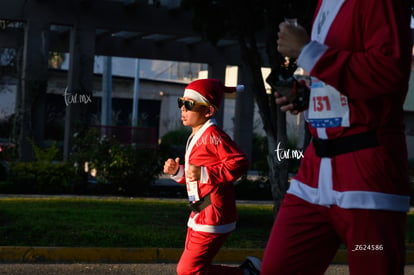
136	255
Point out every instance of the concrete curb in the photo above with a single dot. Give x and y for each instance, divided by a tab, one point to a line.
135	255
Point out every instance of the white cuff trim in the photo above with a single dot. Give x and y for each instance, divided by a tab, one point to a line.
180	173
204	175
310	54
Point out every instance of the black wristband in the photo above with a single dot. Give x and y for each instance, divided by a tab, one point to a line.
176	173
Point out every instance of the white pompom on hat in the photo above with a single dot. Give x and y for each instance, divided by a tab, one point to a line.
209	91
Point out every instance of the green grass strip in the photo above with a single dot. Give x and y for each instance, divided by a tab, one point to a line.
122	222
115	222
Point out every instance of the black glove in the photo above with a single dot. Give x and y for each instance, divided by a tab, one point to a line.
297	92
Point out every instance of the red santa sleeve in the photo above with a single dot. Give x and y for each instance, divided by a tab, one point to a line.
368	55
231	163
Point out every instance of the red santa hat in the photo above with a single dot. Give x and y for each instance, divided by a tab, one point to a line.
209	91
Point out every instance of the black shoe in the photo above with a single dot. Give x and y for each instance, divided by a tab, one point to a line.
252	264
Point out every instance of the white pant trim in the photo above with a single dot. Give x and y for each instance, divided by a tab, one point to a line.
218	229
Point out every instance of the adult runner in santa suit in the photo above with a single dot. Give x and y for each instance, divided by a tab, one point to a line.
352	186
212	163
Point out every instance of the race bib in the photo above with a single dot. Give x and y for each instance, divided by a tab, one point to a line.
192	191
327	106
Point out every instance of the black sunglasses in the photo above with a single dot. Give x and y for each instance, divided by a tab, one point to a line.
189	104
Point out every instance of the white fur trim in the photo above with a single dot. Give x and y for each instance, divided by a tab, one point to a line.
180	173
216	229
195	95
204	175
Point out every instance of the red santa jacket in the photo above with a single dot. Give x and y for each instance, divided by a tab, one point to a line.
221	164
361	51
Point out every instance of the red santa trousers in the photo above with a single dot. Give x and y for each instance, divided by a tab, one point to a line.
305	238
200	249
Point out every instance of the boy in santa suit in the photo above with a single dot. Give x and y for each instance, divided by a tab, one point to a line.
352	186
212	163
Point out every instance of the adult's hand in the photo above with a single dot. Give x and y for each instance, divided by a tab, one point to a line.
291	39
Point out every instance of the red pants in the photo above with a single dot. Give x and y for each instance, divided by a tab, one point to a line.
305	238
200	249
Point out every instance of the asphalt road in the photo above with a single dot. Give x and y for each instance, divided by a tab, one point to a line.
123	269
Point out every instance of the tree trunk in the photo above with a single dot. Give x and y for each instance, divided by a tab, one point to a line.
278	166
274	122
